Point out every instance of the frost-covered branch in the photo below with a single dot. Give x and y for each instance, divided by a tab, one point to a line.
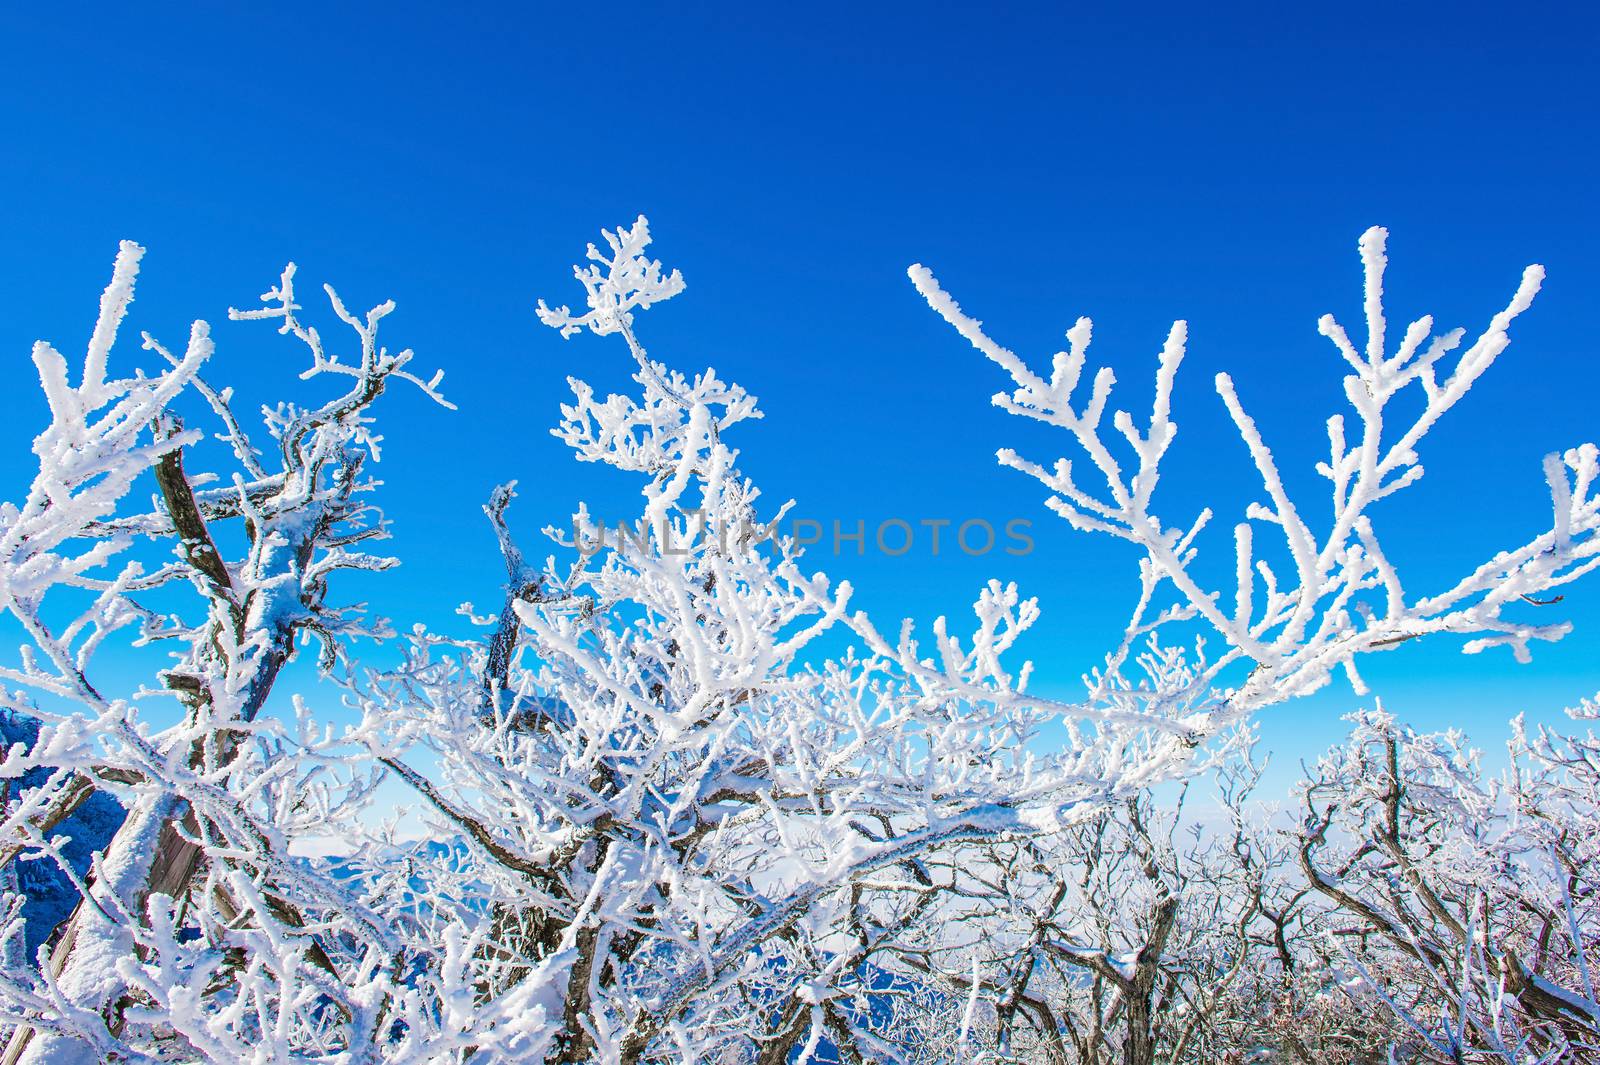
1339	595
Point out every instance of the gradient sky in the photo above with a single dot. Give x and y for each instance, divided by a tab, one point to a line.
1138	166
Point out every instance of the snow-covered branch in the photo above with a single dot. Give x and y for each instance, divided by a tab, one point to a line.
1340	596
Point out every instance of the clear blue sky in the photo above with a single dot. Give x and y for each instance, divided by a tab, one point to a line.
1050	161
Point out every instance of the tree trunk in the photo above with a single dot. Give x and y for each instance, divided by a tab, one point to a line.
145	856
1139	1045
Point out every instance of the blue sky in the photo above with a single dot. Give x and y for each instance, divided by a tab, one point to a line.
1135	165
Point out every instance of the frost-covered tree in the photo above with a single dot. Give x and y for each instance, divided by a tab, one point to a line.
662	823
215	798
